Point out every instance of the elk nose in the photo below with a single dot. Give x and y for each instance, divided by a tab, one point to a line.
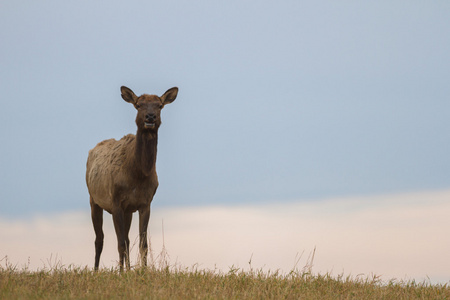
150	117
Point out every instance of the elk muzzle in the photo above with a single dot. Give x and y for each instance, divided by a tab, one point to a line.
150	121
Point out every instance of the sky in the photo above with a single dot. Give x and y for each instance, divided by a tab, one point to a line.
401	237
279	103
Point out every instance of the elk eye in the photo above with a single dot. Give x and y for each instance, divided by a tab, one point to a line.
161	106
137	106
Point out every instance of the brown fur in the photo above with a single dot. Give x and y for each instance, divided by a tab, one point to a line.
121	175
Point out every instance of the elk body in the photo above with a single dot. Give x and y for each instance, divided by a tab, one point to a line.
121	175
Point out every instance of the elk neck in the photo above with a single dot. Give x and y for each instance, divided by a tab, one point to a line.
145	155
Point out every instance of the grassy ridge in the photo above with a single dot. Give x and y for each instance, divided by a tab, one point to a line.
178	283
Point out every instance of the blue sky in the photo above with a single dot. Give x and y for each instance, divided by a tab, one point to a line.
279	101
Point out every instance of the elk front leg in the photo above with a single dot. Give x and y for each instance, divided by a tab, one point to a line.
144	217
128	217
122	247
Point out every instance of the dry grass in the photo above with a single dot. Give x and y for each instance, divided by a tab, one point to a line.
161	281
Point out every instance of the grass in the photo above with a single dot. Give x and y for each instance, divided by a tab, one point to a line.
175	282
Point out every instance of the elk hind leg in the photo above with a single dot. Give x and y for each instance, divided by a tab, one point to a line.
97	221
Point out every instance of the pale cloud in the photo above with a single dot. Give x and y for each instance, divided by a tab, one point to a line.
396	236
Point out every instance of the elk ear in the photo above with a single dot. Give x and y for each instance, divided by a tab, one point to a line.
128	95
169	96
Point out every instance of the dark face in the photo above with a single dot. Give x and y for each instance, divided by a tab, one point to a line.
148	116
148	107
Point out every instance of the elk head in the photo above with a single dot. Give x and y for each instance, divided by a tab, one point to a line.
148	107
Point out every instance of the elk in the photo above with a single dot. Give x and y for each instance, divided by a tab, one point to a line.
121	175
